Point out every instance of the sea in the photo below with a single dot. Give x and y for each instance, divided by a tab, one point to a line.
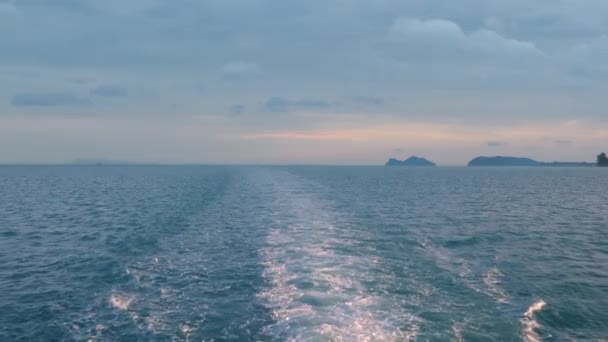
303	253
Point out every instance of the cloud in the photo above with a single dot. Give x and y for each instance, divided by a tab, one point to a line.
493	23
476	62
49	100
496	143
563	142
441	35
79	80
109	91
368	100
428	30
279	104
405	132
590	55
442	134
595	47
237	110
490	42
7	8
241	70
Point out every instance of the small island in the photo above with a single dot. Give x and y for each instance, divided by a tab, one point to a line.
503	161
516	161
411	161
602	160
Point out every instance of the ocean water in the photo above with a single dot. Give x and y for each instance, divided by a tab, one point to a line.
193	253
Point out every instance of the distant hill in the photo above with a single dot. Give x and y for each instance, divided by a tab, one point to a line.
503	161
411	161
515	161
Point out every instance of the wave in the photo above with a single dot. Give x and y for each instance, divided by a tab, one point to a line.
457	332
461	242
466	271
529	323
492	281
446	260
317	288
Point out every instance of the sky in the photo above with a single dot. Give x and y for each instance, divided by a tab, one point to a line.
302	81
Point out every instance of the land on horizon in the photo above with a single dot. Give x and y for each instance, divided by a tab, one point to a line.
413	161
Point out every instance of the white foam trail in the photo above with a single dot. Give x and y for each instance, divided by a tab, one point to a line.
121	302
318	290
457	333
492	281
459	266
99	328
155	322
446	260
529	323
186	331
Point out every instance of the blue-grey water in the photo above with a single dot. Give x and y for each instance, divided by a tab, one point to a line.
193	253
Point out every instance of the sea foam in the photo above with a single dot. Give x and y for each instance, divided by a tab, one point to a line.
492	281
121	302
529	323
317	290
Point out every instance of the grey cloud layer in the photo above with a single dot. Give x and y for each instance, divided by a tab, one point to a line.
195	32
438	34
368	100
241	70
279	104
109	91
48	100
348	49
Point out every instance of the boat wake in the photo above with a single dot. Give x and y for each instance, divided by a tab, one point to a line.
492	281
318	285
487	282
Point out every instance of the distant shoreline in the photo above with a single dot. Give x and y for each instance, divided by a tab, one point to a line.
496	161
412	162
274	165
519	161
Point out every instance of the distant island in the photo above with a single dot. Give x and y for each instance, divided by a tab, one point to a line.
602	160
515	161
411	161
503	161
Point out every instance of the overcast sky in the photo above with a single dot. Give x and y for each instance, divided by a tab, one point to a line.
302	81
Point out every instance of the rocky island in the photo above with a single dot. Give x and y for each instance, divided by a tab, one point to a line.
411	161
503	161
